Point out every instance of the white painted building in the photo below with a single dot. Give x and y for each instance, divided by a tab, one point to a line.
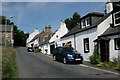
86	36
56	38
29	43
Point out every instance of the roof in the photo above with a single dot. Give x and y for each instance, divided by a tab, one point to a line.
2	28
77	28
111	31
93	14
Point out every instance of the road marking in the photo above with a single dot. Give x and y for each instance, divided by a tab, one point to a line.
99	69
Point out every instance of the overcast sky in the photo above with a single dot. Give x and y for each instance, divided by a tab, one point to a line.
31	15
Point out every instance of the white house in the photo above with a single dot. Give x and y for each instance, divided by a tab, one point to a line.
29	43
83	35
56	38
86	36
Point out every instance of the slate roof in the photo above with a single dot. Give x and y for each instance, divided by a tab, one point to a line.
77	28
2	28
111	31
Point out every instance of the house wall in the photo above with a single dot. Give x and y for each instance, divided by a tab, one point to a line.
36	42
31	36
112	52
45	47
9	36
91	34
68	39
61	32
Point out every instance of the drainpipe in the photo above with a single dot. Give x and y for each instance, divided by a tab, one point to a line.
74	41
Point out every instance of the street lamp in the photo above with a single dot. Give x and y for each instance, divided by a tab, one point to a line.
6	29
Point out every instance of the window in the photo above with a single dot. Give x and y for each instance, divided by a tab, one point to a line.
116	18
83	23
117	43
86	45
88	21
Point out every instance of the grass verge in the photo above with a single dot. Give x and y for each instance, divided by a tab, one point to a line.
9	68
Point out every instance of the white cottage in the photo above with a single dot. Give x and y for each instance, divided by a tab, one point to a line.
93	25
56	38
30	43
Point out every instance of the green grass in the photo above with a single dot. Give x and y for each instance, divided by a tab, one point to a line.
9	68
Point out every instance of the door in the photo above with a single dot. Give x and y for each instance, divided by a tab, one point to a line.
104	49
52	47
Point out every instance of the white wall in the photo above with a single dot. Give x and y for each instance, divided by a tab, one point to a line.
31	36
91	34
112	52
68	39
61	32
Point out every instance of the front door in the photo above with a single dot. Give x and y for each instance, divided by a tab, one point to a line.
104	49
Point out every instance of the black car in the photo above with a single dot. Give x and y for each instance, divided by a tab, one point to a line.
30	49
67	54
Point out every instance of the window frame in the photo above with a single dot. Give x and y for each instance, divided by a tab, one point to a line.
116	19
83	23
87	20
85	47
115	44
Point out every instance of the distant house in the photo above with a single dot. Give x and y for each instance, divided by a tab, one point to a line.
9	33
44	38
95	33
41	40
29	42
56	38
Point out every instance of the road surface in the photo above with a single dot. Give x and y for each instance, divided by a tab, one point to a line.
34	65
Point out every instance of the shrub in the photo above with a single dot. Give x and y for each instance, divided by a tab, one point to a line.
9	69
37	50
95	59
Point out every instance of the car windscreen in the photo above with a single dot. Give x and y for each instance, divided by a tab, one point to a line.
69	49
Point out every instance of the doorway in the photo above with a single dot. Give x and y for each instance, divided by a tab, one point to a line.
104	49
52	47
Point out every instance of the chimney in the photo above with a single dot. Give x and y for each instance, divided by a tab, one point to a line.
48	29
36	30
109	6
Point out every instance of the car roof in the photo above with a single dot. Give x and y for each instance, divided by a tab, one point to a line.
63	47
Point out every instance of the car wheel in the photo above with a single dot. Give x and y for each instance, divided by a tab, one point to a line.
54	58
64	60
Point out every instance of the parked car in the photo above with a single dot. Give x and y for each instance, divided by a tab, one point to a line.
67	54
30	49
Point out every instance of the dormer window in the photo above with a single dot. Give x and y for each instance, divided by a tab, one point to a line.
116	18
85	22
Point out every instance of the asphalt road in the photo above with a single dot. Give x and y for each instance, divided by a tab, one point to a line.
33	65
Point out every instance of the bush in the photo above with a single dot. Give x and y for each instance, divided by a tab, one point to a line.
9	69
111	64
37	50
95	59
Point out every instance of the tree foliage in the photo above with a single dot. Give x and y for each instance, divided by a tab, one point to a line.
72	22
18	35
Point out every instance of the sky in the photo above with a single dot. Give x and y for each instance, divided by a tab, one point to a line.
31	15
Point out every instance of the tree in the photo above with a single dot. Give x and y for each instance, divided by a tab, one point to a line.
18	35
72	22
